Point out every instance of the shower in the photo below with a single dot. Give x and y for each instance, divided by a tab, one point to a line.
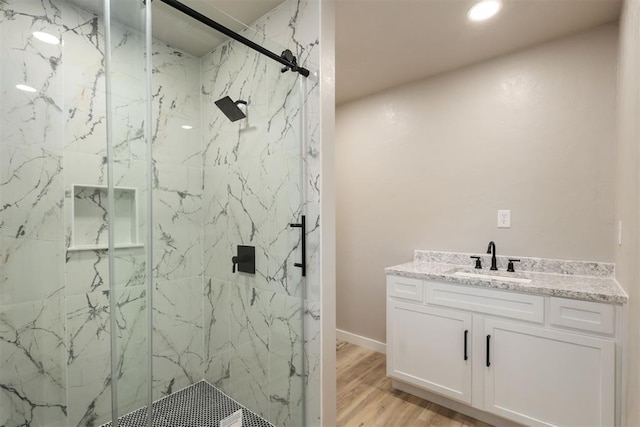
230	108
125	196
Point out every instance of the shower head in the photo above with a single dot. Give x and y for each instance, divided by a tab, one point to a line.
230	108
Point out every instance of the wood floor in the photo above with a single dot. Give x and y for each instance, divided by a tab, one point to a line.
366	398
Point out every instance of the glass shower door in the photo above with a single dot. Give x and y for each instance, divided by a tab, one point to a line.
32	343
129	177
252	194
73	260
219	185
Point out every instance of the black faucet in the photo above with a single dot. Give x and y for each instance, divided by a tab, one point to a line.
492	250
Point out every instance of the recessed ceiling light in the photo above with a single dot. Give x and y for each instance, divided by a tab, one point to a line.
26	88
46	37
484	9
187	127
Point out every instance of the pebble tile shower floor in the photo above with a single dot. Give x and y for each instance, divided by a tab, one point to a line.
199	405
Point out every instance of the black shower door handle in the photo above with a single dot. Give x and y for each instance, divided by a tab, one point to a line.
303	229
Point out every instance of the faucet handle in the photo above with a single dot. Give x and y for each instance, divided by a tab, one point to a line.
478	261
510	266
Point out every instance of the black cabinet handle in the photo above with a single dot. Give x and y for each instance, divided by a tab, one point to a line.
303	226
488	359
466	334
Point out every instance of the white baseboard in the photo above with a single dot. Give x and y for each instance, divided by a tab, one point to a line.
361	341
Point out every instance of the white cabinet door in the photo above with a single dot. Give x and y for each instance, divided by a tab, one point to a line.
426	347
548	378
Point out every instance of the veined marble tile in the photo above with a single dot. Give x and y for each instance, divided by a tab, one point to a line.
235	70
250	319
84	77
128	55
177	335
286	361
314	266
218	370
132	348
217	312
128	136
84	169
224	141
21	281
30	119
248	201
176	103
236	213
88	271
32	364
312	357
215	154
178	218
179	75
31	193
248	374
91	169
283	178
172	144
295	24
88	363
265	89
312	173
284	122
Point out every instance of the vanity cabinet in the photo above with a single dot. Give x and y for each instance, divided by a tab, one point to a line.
434	353
544	377
532	359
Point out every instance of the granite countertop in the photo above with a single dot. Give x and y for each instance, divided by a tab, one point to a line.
568	279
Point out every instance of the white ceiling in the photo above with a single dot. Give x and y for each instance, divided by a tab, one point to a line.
181	31
385	43
189	35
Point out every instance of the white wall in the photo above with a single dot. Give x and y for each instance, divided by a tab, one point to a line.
627	201
427	165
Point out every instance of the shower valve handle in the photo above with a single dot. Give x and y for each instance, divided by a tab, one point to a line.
245	260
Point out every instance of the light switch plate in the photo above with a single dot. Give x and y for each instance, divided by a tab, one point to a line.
504	218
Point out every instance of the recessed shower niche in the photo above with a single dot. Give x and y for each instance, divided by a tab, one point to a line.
90	217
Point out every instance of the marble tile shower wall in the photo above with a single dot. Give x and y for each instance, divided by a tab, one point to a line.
255	347
253	335
177	222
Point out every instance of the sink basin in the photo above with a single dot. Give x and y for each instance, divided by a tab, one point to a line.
490	277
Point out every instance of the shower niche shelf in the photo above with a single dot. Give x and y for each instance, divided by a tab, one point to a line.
89	221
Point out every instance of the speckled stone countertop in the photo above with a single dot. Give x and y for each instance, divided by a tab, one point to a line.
590	281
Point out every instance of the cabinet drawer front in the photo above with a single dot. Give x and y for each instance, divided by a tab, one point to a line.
489	301
585	315
405	288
